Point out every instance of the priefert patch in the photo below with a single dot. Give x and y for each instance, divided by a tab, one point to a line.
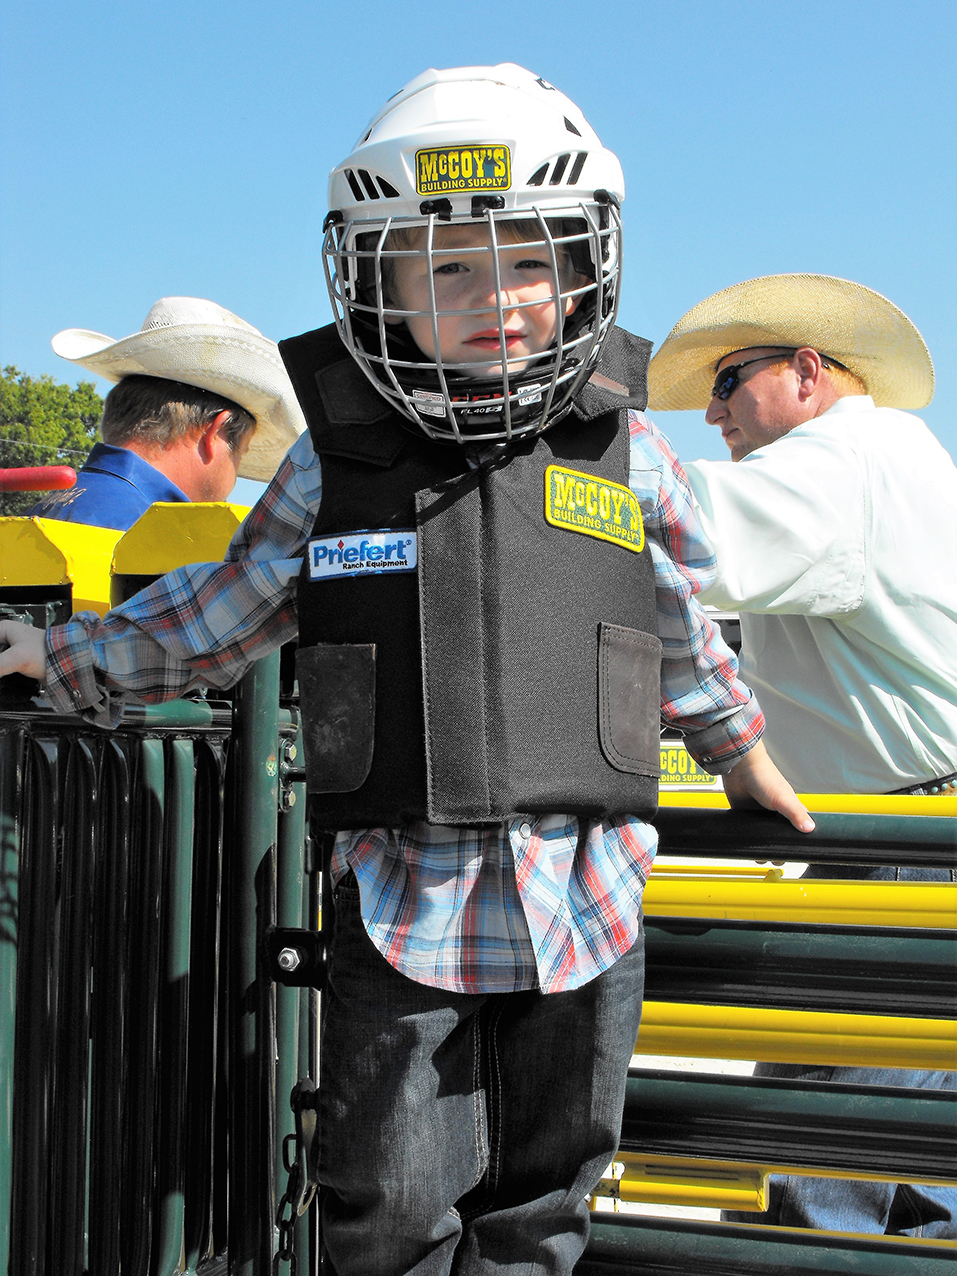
370	553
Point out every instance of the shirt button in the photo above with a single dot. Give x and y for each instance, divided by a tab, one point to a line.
525	830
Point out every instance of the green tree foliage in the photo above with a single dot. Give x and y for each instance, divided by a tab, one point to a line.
43	423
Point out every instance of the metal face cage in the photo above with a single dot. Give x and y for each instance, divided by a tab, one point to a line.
456	402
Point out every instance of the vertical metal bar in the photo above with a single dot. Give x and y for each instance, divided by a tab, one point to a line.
68	1161
169	1207
292	1004
251	896
110	1101
203	1152
33	1063
11	750
308	1233
140	1152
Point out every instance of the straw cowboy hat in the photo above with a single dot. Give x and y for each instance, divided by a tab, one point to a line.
197	342
853	324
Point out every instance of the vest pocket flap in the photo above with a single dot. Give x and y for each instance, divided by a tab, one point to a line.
629	713
337	695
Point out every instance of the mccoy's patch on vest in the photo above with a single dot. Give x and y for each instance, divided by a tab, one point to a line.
594	506
446	169
371	553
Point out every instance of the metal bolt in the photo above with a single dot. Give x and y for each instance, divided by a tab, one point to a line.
289	959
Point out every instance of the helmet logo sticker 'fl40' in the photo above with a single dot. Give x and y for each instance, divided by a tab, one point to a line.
373	553
591	505
446	169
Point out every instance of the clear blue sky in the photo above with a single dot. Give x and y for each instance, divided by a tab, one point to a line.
169	147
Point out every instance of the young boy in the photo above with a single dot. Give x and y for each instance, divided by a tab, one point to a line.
488	557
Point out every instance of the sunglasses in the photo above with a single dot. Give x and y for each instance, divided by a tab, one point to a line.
728	379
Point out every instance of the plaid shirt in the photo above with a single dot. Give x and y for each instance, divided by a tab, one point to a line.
535	903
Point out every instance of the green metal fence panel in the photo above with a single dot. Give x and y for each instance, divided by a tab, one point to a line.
141	869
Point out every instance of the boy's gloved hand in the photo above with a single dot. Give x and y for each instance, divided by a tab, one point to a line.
755	781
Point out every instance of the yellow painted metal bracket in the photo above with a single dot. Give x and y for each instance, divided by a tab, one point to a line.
796	1036
173	533
47	551
170	535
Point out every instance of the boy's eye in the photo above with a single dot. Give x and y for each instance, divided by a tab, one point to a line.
532	263
451	268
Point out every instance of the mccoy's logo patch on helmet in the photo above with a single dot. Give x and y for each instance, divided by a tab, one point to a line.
591	505
372	553
448	169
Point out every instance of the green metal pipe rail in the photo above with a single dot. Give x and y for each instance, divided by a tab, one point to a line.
911	841
896	971
152	1042
676	1247
909	1134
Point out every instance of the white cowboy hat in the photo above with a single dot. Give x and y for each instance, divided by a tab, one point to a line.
853	324
195	341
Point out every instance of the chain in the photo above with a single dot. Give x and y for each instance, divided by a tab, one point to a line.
286	1216
298	1158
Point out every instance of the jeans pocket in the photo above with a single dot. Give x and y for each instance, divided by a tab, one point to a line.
337	695
629	699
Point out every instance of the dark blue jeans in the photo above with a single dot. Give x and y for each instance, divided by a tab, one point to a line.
860	1205
461	1133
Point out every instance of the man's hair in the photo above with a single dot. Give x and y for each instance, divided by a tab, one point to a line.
159	412
843	379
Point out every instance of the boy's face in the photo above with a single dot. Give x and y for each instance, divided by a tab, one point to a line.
466	281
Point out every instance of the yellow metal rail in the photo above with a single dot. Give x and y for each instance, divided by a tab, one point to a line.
773	899
796	1036
706	1184
688	1181
838	803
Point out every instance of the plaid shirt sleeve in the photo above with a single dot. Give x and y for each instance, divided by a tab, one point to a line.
201	625
701	694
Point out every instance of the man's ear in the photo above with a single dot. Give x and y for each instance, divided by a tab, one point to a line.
210	432
809	367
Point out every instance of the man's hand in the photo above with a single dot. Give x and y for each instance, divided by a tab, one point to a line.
756	781
23	650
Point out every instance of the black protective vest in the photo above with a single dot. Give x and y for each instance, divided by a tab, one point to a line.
517	669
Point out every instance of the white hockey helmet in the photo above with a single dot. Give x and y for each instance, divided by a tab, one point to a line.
477	146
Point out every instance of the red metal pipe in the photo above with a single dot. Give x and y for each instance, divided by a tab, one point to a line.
37	478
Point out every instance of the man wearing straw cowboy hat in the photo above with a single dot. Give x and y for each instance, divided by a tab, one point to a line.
834	532
202	399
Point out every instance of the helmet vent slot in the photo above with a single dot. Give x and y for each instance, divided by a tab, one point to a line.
369	184
559	170
538	176
577	167
354	185
388	190
571	127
